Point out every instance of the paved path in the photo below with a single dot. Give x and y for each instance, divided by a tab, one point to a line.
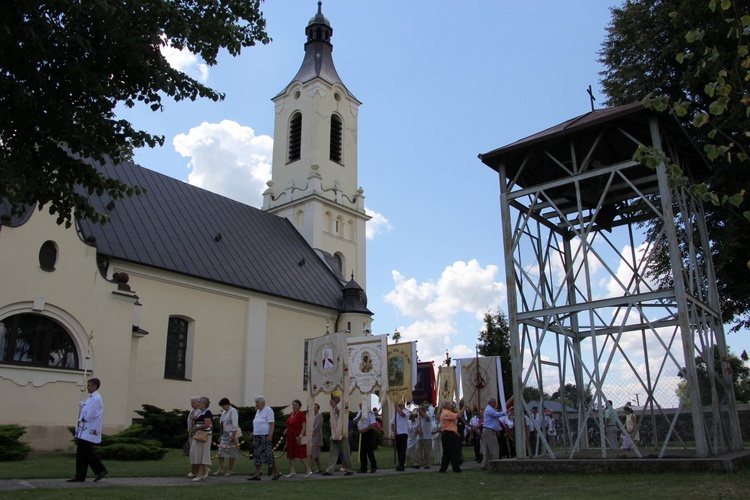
25	484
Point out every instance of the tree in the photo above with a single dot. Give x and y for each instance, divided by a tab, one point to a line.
532	394
66	65
740	380
690	58
494	340
569	396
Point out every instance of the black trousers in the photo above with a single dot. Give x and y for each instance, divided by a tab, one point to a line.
402	440
451	451
366	450
477	445
532	443
86	457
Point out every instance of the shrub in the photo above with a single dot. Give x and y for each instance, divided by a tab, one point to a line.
146	450
12	448
131	444
169	427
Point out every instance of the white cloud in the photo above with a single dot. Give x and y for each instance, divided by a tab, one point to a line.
466	287
411	299
378	224
229	159
185	61
463	288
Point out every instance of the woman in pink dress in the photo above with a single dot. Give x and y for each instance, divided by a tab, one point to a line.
296	447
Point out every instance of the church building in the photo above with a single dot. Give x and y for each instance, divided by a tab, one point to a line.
185	292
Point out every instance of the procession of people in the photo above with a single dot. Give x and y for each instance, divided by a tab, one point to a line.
415	431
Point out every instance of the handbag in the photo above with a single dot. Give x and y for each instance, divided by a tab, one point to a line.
201	436
302	440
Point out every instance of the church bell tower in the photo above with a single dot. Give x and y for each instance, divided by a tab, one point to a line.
314	176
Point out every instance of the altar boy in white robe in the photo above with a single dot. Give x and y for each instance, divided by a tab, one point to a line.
88	433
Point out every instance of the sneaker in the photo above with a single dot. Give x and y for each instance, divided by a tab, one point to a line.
326	473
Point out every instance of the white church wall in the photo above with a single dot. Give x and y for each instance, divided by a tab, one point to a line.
45	400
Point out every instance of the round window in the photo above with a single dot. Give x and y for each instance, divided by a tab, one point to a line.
48	256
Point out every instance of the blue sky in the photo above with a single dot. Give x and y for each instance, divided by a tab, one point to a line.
440	82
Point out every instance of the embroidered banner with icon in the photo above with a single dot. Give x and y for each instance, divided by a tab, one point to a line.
424	387
367	364
447	388
401	371
479	380
327	363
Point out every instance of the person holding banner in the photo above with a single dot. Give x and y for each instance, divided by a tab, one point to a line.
365	422
400	428
490	431
450	437
339	443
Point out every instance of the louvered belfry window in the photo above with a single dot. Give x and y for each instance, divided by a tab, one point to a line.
336	133
295	137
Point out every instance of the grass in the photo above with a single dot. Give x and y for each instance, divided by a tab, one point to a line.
473	483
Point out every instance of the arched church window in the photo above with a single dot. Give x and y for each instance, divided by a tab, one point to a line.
295	137
178	343
34	339
350	230
339	226
299	219
336	138
328	220
339	262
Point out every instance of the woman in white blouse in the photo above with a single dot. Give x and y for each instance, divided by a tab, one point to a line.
229	447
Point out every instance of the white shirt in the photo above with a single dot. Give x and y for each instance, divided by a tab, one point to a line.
230	420
401	421
262	421
90	420
365	420
424	426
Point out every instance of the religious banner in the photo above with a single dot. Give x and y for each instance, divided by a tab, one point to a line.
424	387
479	380
326	363
367	368
401	370
447	388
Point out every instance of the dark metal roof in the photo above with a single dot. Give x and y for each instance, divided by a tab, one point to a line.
6	219
582	132
182	228
355	299
318	61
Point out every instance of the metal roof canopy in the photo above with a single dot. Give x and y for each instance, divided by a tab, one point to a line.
572	201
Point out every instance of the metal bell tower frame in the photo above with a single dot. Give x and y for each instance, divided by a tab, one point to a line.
582	306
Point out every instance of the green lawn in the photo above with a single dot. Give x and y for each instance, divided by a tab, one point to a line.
473	483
